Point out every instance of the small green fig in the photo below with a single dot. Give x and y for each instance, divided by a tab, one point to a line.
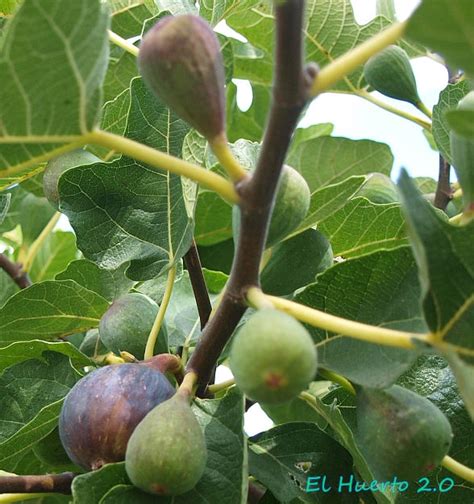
125	326
462	152
272	357
58	165
389	72
401	433
92	345
291	206
379	189
166	454
180	60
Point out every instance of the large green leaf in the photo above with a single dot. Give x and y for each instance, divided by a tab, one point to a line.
31	396
446	267
148	222
7	287
448	99
380	289
224	478
49	104
286	457
127	20
446	27
48	310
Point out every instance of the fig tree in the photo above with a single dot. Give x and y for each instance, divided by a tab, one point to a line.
181	62
166	454
126	324
389	72
273	357
101	411
58	165
401	433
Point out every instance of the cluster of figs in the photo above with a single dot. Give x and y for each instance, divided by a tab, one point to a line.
134	412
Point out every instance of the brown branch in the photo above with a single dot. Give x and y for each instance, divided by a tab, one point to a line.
443	193
198	282
292	83
45	483
15	271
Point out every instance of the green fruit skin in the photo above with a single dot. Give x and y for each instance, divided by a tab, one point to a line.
58	165
390	73
467	103
401	433
126	325
379	189
166	454
181	62
49	450
273	344
291	205
92	345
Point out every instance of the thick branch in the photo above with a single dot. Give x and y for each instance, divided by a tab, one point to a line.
15	271
198	282
290	93
47	483
443	190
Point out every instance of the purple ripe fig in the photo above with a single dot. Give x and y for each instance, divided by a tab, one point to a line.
180	60
102	410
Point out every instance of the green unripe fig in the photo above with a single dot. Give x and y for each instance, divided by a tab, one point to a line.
58	165
462	152
126	325
401	433
379	189
292	202
273	357
49	450
181	62
166	454
92	345
389	72
450	209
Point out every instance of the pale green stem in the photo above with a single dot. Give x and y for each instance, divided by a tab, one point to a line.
338	325
257	299
226	158
18	497
353	59
424	109
219	387
188	385
187	343
336	378
458	469
36	245
456	219
151	342
124	44
160	160
406	115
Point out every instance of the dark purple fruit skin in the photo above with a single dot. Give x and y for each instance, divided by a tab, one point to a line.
180	60
102	410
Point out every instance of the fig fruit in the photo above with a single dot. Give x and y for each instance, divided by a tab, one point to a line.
92	344
291	205
166	454
401	433
389	72
101	411
462	152
58	165
379	189
181	62
273	357
126	324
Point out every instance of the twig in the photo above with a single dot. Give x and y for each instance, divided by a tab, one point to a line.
443	190
46	483
15	271
458	469
198	282
123	43
292	84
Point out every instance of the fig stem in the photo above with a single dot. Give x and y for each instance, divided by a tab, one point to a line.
123	43
337	378
424	109
218	387
458	469
163	161
20	497
350	61
188	385
357	330
153	336
36	245
389	108
15	271
258	299
226	158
